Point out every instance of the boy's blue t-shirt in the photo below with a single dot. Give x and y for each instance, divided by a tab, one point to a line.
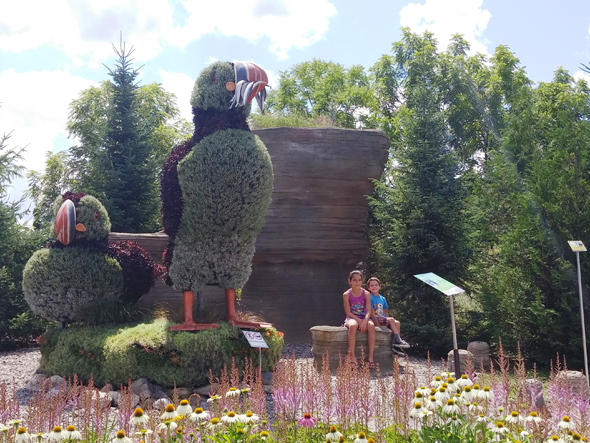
379	303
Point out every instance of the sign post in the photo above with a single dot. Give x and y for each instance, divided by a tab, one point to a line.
256	341
449	289
577	246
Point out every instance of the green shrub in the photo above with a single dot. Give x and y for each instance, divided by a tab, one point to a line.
226	183
60	283
150	350
259	121
210	92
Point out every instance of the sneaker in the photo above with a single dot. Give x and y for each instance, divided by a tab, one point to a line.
398	351
402	344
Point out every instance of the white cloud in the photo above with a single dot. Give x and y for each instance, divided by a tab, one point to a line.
34	105
181	85
444	18
581	75
84	30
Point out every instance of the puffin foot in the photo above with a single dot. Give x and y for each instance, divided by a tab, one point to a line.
250	325
192	326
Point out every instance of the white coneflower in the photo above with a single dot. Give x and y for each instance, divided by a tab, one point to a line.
214	424
184	408
454	421
417	411
168	424
72	433
213	398
513	417
56	434
477	392
361	438
432	404
555	439
143	433
333	435
230	418
451	384
464	381
437	382
451	407
467	395
248	418
458	400
232	392
474	407
139	417
441	395
199	415
16	422
564	423
40	436
264	435
169	412
4	428
482	419
418	397
533	418
121	438
487	393
424	391
500	429
22	435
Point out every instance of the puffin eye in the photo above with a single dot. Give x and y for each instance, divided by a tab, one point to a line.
214	78
96	215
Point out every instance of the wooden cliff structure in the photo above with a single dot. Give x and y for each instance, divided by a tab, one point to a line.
314	233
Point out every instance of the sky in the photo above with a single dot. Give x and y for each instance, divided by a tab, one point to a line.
51	50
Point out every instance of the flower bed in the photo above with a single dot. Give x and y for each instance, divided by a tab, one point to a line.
311	405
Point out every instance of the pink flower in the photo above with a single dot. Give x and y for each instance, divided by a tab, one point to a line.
307	421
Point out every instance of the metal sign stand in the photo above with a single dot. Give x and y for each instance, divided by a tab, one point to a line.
577	246
455	345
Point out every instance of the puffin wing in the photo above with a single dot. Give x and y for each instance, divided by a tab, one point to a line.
65	222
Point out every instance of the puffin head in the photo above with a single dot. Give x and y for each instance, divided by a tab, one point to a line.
79	216
224	85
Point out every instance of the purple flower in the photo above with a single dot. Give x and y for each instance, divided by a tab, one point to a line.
307	421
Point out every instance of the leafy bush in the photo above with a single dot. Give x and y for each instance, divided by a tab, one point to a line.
60	283
148	350
259	121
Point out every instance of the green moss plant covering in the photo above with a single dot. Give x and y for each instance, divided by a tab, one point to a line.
115	355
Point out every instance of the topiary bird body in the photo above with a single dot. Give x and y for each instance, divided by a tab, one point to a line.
79	268
216	189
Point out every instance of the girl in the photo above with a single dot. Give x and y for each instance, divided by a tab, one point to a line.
357	306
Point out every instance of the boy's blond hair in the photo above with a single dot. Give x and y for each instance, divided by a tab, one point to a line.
373	279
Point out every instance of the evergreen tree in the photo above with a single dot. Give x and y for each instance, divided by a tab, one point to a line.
418	205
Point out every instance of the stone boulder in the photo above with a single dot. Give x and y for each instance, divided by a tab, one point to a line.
463	356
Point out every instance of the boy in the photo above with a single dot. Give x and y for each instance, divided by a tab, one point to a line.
380	314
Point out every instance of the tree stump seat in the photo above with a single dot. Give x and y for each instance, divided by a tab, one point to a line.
334	341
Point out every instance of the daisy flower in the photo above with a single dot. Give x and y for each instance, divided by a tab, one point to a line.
184	408
533	418
248	418
424	391
467	395
213	398
441	395
121	438
361	438
555	439
230	418
513	418
168	424
564	423
21	435
333	435
464	381
451	385
477	392
418	397
500	429
487	393
437	382
307	421
232	392
142	434
214	424
3	428
169	412
451	407
482	419
139	417
56	434
264	435
199	415
432	404
72	433
417	411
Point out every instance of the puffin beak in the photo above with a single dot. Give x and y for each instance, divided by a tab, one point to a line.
251	81
80	227
65	222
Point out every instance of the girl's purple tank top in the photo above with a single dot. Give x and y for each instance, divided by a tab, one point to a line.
357	304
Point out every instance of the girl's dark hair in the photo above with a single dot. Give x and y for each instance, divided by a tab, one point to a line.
356	271
373	279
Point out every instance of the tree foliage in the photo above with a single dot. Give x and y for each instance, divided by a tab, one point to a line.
125	132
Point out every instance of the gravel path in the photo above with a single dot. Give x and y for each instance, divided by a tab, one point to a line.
18	367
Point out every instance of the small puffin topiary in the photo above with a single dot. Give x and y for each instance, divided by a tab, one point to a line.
78	268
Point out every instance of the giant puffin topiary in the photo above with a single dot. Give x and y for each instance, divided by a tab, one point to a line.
79	267
216	188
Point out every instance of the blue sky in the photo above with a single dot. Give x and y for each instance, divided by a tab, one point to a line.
50	50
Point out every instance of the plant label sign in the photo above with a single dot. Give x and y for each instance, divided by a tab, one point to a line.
255	339
439	283
577	246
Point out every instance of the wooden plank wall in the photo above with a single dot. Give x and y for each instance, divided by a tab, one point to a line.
314	232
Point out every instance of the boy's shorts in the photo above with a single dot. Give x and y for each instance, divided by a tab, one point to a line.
382	321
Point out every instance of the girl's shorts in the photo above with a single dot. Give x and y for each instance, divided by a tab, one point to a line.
382	321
